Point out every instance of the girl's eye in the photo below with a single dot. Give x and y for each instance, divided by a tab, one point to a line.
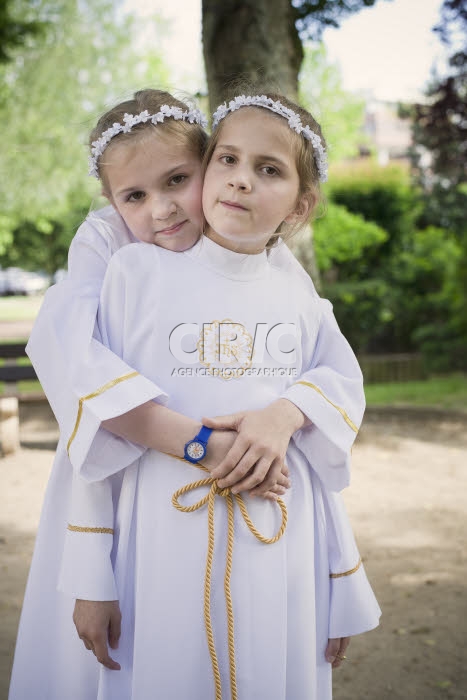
269	170
177	179
228	160
136	196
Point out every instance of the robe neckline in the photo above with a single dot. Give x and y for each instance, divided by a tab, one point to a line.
228	263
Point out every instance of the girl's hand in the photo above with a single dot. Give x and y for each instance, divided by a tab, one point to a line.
220	442
335	651
256	459
99	622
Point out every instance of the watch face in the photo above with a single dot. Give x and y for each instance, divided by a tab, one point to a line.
195	450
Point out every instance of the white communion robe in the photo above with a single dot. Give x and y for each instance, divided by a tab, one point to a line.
69	671
281	592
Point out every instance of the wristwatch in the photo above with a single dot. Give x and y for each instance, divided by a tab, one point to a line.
195	449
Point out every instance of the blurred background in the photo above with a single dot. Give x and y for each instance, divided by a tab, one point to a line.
387	79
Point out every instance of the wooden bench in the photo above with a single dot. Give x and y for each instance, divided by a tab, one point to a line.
10	373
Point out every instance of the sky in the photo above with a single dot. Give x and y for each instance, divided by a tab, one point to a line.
386	51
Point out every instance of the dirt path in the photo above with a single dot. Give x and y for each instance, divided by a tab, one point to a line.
408	506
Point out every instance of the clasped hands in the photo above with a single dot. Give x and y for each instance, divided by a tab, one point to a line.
256	443
246	452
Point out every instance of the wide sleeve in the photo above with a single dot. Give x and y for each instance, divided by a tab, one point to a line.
117	318
86	570
353	606
330	393
84	381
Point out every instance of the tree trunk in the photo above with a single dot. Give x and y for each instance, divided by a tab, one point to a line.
252	39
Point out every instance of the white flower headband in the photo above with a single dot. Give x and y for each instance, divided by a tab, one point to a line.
293	120
130	120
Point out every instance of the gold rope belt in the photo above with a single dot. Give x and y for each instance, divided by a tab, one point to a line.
209	499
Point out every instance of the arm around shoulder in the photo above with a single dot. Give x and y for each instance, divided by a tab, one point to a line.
77	372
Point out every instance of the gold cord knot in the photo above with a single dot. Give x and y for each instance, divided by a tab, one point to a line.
221	492
229	497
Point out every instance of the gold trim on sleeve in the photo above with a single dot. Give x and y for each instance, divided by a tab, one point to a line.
97	530
98	392
344	415
349	572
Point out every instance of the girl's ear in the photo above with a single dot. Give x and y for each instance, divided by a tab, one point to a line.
108	195
305	205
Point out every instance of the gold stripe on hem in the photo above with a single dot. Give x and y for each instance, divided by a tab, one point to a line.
97	530
98	392
344	415
349	572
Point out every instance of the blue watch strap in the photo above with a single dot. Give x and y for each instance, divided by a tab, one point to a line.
204	434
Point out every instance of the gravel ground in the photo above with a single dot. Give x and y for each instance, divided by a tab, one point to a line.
408	507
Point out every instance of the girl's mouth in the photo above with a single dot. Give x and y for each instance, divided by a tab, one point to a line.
170	230
233	205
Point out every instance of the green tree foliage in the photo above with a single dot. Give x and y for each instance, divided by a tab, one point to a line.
56	87
384	195
313	16
396	288
440	168
342	237
340	113
441	123
411	304
423	278
42	243
439	158
380	195
364	311
14	31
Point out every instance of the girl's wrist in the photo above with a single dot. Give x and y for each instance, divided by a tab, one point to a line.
290	415
219	444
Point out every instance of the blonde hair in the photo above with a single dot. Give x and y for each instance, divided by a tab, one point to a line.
190	135
305	157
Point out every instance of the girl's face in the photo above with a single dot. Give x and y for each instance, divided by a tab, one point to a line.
155	185
251	184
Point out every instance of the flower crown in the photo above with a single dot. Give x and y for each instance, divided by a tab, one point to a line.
130	120
293	120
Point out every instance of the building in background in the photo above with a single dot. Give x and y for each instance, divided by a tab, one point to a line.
388	136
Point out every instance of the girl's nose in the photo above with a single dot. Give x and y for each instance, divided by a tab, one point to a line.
240	181
163	208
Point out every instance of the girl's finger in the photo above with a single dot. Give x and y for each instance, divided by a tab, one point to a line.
114	631
332	649
277	490
231	460
229	422
270	479
87	644
284	481
102	655
269	496
255	477
345	641
240	469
